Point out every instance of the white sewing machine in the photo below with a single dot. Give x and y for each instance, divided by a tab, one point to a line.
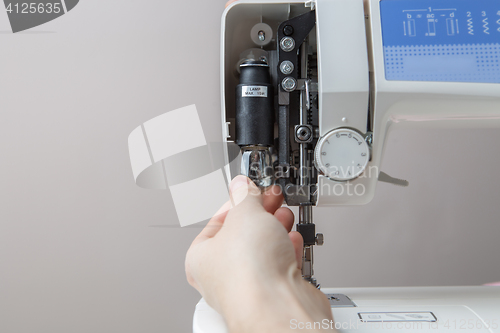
319	84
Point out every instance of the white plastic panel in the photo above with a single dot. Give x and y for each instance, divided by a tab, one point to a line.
457	309
342	64
413	104
344	45
410	104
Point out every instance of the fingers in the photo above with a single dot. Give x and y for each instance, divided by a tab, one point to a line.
243	189
286	217
272	198
298	245
213	226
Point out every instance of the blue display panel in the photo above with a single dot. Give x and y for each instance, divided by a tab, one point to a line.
441	40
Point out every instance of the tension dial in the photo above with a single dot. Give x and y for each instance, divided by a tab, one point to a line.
342	154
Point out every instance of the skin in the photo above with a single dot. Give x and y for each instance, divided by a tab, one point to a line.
248	252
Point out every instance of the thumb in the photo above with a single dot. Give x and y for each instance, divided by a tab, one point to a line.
243	189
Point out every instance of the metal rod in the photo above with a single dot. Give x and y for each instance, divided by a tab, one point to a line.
305	211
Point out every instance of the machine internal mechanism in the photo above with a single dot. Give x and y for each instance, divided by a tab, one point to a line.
276	129
276	121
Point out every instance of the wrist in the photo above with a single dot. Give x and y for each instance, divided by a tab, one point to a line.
274	305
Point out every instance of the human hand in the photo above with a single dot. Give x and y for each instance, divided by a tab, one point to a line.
246	261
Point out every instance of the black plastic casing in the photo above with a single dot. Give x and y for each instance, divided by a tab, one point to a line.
254	114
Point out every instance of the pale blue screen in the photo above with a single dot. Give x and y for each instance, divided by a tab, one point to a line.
441	40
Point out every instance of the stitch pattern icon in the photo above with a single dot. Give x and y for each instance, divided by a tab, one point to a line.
27	14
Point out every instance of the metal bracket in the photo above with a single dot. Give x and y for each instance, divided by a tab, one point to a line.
304	84
340	301
295	29
295	195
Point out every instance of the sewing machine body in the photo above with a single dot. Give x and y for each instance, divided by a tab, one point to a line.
362	93
353	89
401	309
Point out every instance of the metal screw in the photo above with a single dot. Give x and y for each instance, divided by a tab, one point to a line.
369	139
286	67
288	30
262	36
263	59
303	133
319	239
289	84
287	44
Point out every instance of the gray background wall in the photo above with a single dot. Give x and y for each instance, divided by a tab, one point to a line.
80	246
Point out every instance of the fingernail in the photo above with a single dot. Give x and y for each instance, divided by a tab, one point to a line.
238	182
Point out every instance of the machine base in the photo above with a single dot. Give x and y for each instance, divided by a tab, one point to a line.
408	309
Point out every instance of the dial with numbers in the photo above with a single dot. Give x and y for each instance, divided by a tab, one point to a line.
342	154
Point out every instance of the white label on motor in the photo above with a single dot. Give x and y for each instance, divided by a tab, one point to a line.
396	316
254	91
